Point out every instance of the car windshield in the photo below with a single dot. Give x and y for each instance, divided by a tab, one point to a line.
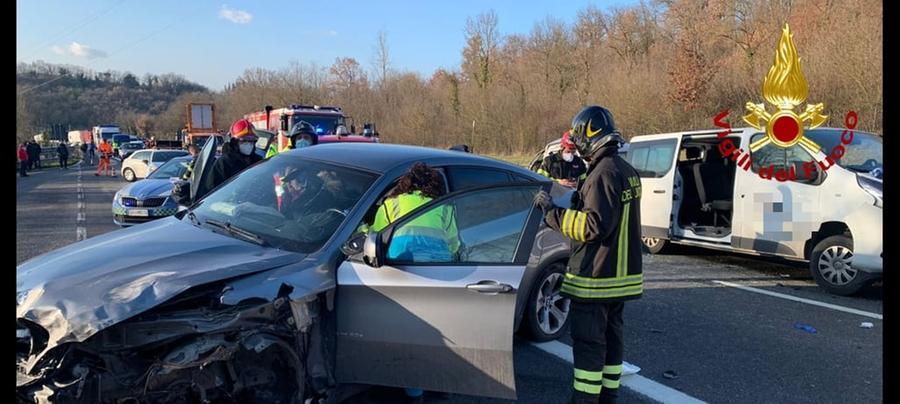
288	202
325	124
121	138
172	168
865	153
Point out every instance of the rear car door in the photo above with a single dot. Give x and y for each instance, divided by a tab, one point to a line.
436	320
654	160
140	160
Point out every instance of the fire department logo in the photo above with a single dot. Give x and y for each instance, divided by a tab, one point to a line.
785	88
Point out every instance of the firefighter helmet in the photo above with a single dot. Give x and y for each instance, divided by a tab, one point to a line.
303	128
593	128
242	129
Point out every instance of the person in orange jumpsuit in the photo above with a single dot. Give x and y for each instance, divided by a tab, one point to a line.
106	152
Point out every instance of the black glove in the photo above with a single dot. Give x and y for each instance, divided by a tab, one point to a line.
544	201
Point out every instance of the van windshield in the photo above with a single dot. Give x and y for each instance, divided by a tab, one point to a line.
864	154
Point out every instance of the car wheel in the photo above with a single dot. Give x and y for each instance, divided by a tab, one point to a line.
128	174
831	265
655	245
547	311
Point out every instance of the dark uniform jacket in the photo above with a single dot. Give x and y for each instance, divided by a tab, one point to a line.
604	225
555	167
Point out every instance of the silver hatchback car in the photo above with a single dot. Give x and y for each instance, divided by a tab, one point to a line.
260	296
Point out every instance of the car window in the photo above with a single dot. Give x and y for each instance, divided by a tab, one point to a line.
172	168
782	159
166	155
290	203
470	177
141	155
652	159
478	227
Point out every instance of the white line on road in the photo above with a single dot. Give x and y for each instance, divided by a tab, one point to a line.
638	383
802	300
80	229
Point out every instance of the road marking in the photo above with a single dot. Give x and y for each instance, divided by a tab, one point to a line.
637	383
802	300
80	229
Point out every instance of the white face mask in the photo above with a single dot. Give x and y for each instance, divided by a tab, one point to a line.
301	143
568	157
246	148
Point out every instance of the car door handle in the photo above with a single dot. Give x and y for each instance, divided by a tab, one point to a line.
659	191
489	287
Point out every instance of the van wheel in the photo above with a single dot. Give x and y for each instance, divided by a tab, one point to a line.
831	266
655	245
128	174
547	311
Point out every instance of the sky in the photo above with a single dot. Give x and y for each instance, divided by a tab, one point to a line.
213	42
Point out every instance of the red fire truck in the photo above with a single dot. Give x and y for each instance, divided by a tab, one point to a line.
326	120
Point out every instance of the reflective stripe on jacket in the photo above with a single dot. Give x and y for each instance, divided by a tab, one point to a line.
604	225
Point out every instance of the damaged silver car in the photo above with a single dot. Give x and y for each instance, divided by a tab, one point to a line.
266	290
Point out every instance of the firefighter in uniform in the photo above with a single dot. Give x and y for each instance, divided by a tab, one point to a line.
605	267
302	135
564	167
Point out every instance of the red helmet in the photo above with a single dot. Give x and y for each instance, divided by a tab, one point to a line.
566	143
242	128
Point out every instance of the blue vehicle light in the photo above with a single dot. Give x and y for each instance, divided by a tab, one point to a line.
318	130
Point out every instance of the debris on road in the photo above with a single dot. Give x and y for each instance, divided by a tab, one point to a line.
629	369
805	327
670	374
866	324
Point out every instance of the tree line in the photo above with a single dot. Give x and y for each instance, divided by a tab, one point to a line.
659	66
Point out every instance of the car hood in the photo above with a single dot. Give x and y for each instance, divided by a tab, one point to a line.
78	290
148	188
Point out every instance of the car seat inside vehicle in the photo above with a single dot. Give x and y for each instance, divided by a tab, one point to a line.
708	190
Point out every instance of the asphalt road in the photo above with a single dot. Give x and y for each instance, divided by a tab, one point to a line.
709	340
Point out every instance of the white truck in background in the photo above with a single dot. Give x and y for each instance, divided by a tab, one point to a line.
105	132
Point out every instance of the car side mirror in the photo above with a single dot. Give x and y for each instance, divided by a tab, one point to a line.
372	251
146	161
355	245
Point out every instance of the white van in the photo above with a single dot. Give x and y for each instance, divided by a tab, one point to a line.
830	216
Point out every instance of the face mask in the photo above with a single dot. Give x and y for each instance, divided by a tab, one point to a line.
568	157
246	148
302	143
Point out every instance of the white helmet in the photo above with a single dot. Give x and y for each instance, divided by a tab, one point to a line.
341	131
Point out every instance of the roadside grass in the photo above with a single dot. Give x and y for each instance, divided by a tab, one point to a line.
520	159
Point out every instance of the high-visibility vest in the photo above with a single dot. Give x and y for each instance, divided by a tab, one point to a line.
280	144
438	223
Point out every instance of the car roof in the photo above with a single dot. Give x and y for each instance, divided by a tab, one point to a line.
382	157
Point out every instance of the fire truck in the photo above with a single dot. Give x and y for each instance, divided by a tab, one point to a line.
326	120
